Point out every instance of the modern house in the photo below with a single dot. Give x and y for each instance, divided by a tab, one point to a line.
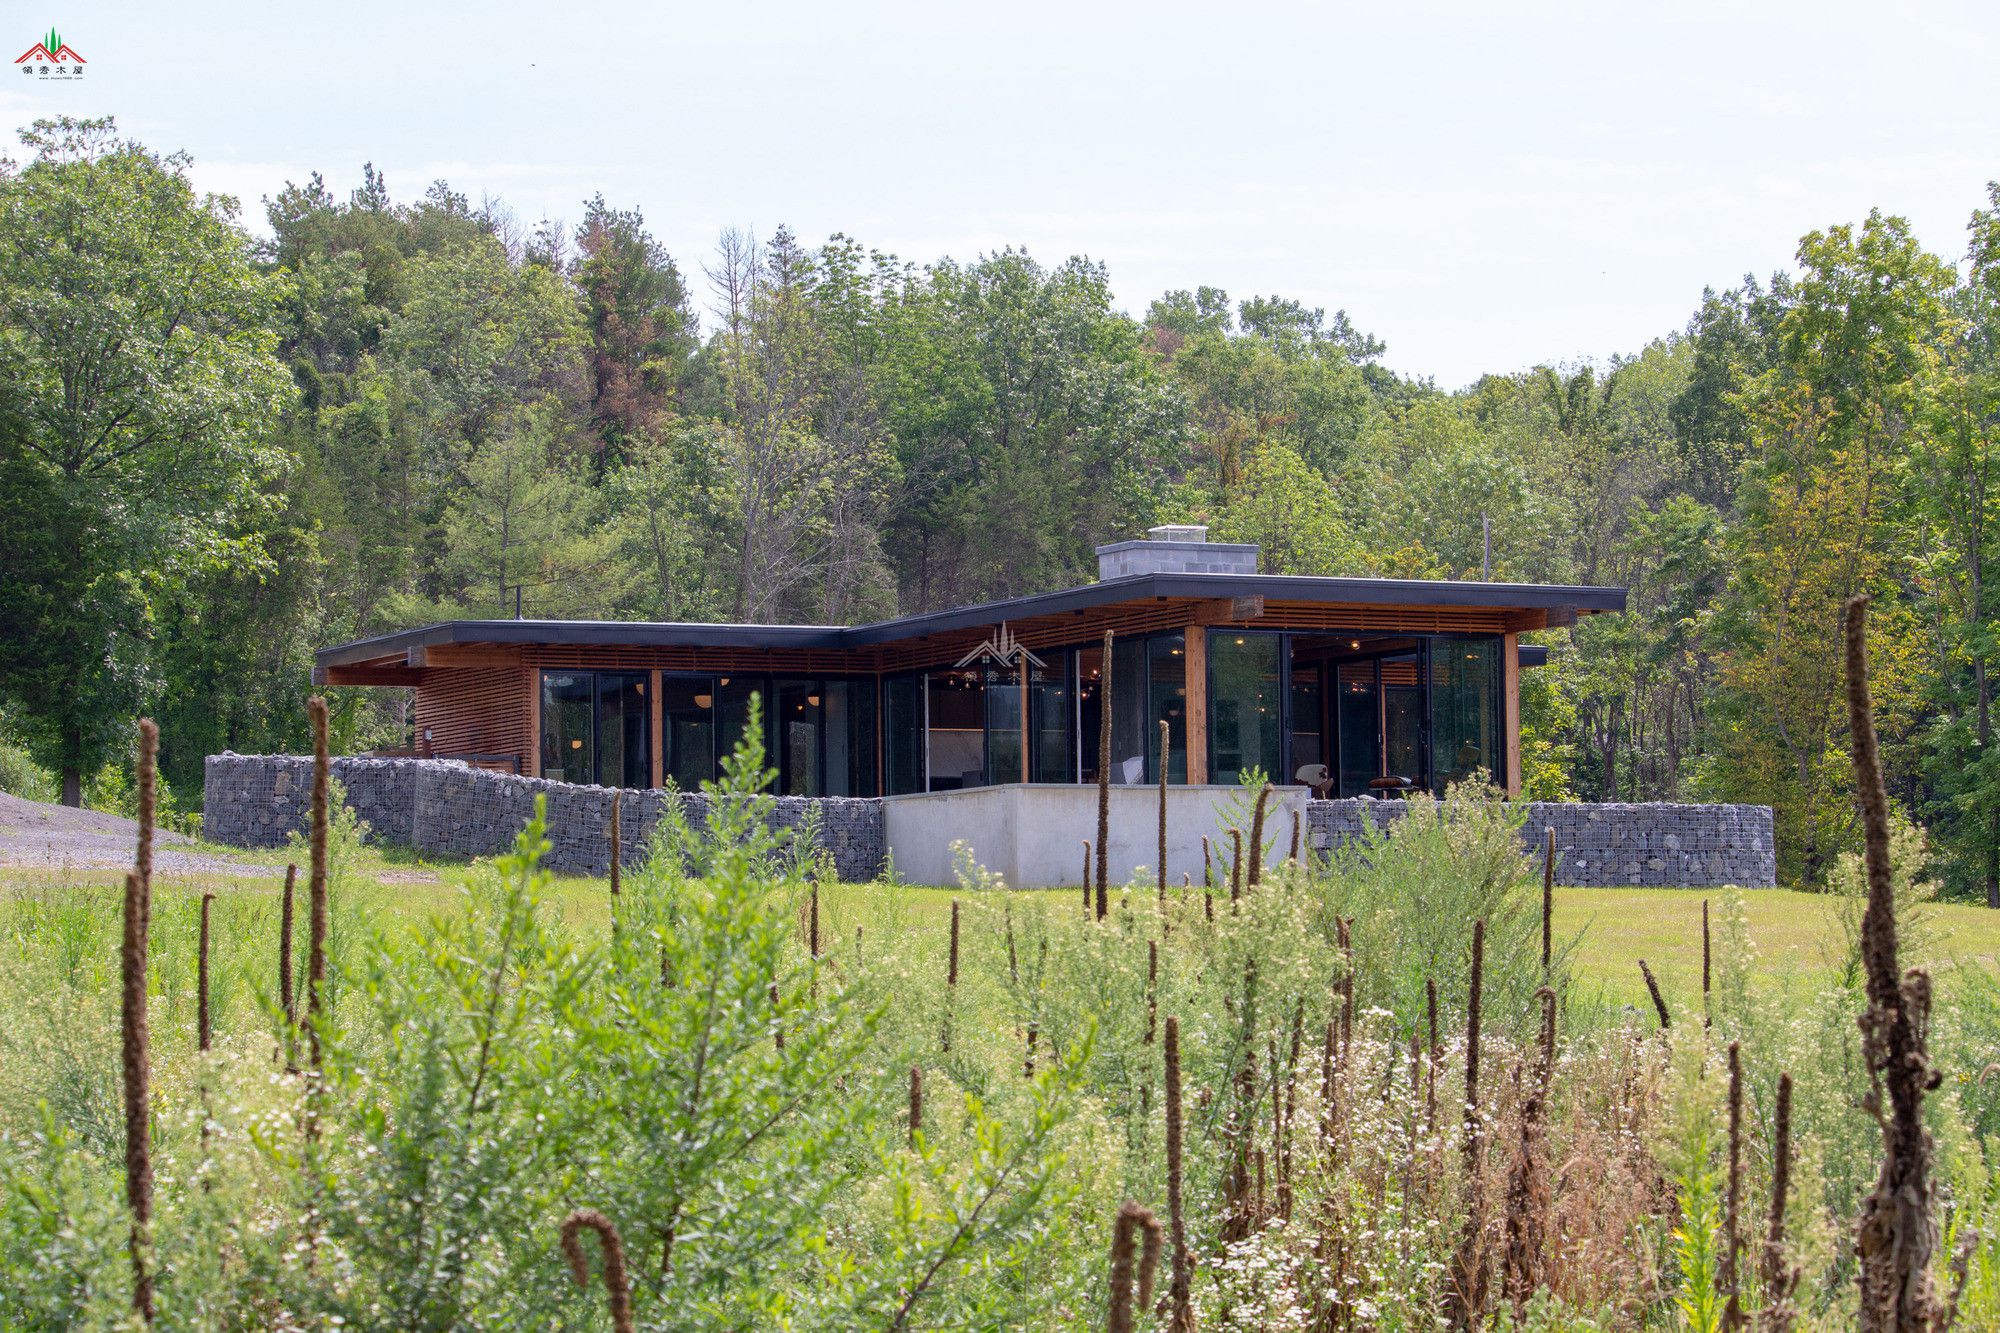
1387	683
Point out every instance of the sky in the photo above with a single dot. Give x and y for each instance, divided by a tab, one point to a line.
1486	187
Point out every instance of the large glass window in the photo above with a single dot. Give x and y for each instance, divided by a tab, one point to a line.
732	704
796	724
1004	719
1135	732
903	735
1306	733
596	728
1465	710
1245	705
1358	719
689	730
569	713
956	729
1166	695
1052	721
850	737
1403	718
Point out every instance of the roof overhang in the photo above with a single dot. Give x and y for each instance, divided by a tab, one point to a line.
1543	605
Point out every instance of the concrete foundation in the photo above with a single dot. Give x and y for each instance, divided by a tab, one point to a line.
1031	835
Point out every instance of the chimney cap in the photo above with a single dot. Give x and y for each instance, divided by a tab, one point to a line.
1178	532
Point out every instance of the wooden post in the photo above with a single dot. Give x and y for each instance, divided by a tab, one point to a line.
1510	676
531	759
658	707
1195	652
1022	675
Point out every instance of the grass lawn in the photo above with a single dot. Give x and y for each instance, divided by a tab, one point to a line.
1798	936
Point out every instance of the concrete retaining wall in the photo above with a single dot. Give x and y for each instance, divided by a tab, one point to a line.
1613	846
1032	834
434	805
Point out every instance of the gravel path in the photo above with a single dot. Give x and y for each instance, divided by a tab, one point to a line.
34	834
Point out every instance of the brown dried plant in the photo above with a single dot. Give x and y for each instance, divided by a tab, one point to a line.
617	1286
134	1036
1898	1229
615	853
1548	899
316	917
1181	1319
287	993
1257	836
1732	1209
1659	1001
204	1028
1468	1295
1780	1276
1126	1255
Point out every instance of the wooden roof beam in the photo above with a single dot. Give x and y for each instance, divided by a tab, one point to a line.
368	675
1226	610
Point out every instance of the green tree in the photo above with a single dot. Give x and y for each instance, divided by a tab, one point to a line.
642	330
1834	423
138	379
523	518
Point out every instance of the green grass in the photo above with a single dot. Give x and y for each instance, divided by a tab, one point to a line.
1797	936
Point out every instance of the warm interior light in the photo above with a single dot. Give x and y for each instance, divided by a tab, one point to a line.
702	701
724	682
813	699
1239	641
576	745
1354	643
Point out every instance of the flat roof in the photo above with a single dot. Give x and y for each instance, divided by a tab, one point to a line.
1134	588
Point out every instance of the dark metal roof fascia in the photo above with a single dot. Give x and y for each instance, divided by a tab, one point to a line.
1138	587
605	632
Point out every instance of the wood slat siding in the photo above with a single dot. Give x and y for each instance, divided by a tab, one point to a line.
476	710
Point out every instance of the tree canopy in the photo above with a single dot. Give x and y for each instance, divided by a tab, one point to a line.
230	449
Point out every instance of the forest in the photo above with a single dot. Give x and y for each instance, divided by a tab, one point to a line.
225	444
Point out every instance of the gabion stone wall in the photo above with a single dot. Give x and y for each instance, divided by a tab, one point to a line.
1612	845
434	805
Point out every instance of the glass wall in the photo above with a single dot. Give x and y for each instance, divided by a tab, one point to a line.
1357	721
689	730
850	738
1465	710
955	728
1246	705
1148	686
1425	709
796	728
1307	732
1052	721
819	734
903	735
1004	716
596	728
1166	701
1403	718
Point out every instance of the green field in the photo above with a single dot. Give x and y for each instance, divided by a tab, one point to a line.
499	1052
1798	936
